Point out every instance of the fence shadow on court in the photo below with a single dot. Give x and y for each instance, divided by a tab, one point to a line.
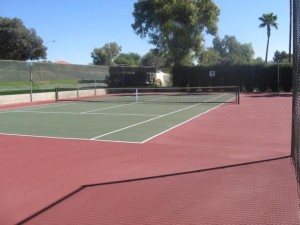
77	196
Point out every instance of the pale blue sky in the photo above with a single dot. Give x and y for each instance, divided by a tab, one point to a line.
79	26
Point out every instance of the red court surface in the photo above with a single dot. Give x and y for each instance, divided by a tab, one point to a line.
38	175
211	197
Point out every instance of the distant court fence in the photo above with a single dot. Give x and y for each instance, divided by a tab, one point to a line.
21	75
296	91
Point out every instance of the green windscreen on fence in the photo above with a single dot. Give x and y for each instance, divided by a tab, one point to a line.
42	75
19	77
69	72
14	71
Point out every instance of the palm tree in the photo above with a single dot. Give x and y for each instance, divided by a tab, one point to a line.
268	20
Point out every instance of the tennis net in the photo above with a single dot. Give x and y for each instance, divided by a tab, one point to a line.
94	93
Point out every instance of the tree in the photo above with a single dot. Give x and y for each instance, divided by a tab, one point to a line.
280	56
106	55
227	51
277	56
210	57
19	43
128	59
258	61
152	58
268	20
175	27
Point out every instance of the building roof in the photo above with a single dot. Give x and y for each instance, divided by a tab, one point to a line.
62	62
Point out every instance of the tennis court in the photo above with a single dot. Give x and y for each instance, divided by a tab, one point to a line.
111	117
195	157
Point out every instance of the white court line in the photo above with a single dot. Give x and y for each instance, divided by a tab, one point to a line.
68	138
155	99
19	109
26	109
47	106
123	105
146	121
183	122
180	124
71	113
129	142
111	107
41	112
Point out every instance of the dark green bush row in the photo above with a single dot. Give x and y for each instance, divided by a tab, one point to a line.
129	76
137	79
248	77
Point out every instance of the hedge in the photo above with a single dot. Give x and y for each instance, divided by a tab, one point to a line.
248	77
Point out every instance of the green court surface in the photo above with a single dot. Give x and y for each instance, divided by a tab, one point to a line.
110	121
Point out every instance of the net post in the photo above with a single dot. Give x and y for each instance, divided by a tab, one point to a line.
238	95
136	95
31	81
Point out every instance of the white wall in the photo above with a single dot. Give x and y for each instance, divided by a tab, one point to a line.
22	98
165	78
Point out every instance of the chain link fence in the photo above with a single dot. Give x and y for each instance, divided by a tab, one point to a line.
17	77
296	91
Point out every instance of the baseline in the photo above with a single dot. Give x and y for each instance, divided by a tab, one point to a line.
35	107
67	138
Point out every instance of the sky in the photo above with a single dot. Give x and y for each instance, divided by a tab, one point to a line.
79	26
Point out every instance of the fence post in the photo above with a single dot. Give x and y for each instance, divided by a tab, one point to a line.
31	81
